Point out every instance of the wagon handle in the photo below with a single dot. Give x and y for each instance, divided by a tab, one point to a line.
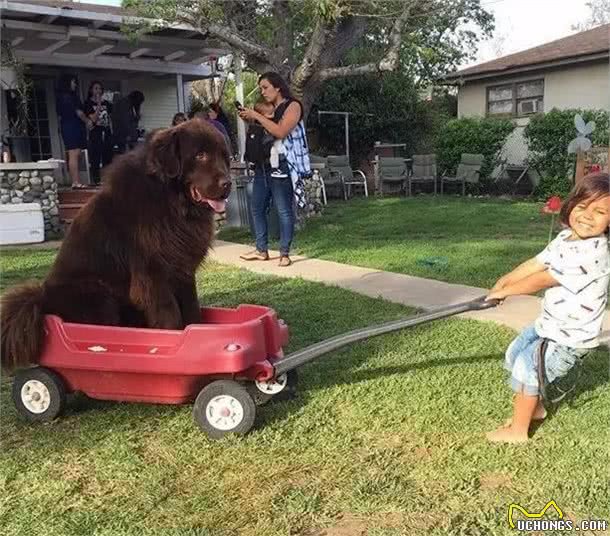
480	304
305	355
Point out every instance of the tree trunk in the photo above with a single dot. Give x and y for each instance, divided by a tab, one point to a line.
307	94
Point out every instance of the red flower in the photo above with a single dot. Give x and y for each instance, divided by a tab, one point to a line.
552	206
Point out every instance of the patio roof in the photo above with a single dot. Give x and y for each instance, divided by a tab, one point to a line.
68	34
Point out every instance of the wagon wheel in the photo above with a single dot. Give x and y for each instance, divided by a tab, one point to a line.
39	394
283	387
223	407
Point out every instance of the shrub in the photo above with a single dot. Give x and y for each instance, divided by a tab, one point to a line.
550	186
387	109
484	136
548	136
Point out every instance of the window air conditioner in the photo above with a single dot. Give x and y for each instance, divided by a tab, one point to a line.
529	106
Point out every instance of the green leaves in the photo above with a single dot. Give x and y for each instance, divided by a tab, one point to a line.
387	108
484	136
548	136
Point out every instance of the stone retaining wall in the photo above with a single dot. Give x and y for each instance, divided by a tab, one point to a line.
313	193
33	186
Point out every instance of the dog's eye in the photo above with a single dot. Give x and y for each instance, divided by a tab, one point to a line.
202	156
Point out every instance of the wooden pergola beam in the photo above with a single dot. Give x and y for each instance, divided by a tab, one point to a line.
174	55
112	35
143	65
139	52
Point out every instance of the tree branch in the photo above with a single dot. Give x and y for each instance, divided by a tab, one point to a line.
389	62
284	32
316	45
228	35
349	33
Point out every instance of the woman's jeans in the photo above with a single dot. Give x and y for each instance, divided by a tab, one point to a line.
264	190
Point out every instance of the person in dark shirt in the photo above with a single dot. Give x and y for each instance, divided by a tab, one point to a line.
73	124
98	110
216	112
125	120
210	116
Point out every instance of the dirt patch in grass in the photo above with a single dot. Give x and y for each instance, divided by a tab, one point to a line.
493	481
349	524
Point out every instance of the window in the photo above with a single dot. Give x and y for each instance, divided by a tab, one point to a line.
520	98
38	124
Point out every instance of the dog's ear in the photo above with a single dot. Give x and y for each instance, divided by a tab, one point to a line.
164	154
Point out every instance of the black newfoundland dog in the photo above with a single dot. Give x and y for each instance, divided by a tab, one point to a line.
131	254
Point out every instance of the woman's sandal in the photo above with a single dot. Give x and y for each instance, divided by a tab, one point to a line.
255	255
285	261
79	186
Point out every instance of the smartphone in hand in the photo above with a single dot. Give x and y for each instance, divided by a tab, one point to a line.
238	105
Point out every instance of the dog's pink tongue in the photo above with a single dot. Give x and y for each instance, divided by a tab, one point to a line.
218	205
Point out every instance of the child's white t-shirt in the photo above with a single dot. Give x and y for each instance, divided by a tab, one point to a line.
573	311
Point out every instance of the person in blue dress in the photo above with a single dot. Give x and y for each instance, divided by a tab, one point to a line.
73	124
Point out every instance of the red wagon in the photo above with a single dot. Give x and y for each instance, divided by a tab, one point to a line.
225	364
228	364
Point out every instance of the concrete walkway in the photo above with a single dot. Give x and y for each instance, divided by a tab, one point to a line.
516	311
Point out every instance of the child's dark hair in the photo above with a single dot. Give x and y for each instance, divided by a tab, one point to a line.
261	105
590	187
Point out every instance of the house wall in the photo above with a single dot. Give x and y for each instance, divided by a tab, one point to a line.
471	100
579	87
161	100
584	86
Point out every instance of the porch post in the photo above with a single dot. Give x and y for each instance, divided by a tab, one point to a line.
239	95
347	134
180	92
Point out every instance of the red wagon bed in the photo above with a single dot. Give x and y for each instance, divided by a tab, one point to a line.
164	366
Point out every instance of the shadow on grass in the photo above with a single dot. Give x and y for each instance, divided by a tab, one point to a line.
596	374
84	413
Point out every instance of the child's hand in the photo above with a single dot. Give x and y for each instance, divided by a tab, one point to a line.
500	284
496	295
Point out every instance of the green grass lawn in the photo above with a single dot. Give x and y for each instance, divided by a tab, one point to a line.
477	240
384	438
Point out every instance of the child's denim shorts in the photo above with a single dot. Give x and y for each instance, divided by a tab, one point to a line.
522	361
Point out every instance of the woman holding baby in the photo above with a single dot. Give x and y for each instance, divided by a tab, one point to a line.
279	176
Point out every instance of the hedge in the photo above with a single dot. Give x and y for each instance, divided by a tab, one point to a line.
484	136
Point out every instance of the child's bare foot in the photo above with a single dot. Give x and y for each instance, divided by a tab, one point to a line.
506	434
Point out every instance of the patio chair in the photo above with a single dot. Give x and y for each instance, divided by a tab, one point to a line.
468	171
423	171
393	173
340	166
